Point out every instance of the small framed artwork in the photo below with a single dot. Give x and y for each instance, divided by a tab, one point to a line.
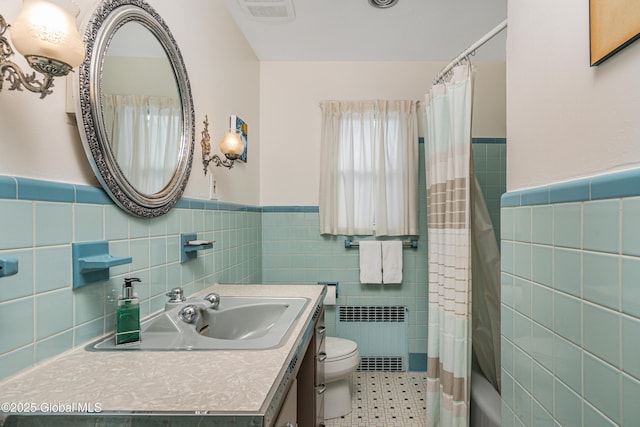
241	126
613	25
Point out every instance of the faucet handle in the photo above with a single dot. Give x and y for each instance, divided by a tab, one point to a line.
176	295
214	299
188	313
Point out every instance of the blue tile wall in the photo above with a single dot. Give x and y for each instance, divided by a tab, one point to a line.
295	252
490	166
42	316
580	333
253	245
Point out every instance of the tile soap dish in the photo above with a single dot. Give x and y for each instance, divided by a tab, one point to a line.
199	243
191	245
91	262
8	266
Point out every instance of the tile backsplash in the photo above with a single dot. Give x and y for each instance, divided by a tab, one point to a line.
41	315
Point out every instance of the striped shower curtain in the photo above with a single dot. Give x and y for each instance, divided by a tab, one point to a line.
448	156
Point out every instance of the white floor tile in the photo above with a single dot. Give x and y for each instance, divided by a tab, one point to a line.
385	399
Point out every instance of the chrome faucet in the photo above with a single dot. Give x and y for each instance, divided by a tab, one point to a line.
176	295
213	299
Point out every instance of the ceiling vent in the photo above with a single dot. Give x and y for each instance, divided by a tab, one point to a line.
268	10
382	4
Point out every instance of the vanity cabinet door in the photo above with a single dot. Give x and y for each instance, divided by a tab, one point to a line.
320	360
289	412
311	379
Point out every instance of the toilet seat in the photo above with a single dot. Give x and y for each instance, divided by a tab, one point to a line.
339	349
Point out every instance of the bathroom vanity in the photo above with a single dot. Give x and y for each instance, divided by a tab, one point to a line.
270	387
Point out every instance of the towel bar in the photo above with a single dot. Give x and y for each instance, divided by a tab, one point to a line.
413	244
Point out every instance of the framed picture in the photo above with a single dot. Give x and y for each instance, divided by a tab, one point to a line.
613	24
241	126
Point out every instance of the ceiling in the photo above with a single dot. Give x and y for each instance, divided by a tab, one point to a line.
353	30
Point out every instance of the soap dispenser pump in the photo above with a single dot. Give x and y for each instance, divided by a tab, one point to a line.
128	314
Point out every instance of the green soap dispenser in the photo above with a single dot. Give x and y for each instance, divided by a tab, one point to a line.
128	314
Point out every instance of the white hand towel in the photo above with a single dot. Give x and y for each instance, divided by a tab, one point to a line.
392	261
370	262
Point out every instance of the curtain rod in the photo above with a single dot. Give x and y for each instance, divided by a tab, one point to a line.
491	34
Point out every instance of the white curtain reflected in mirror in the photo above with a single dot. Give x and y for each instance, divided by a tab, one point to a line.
142	109
143	131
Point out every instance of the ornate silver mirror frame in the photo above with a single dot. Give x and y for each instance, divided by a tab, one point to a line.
109	16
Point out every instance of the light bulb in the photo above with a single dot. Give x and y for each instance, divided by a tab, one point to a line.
43	29
232	144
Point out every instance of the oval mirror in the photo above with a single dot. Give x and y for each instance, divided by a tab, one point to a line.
134	108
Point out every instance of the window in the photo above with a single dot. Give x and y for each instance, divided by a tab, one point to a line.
369	168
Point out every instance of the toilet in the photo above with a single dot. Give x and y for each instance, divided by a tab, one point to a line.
342	360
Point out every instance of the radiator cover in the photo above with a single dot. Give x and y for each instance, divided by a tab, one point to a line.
381	333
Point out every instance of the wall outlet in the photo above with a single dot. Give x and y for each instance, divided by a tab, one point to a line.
213	188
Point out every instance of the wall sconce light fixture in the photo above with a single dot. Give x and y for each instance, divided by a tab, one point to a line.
46	35
231	146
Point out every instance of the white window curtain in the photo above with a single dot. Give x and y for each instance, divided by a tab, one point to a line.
144	133
369	168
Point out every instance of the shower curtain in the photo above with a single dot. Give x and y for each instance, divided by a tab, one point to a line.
458	224
448	156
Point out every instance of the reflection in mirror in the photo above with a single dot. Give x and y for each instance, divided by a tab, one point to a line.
142	110
134	107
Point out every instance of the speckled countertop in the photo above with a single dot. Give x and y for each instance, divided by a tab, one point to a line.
226	382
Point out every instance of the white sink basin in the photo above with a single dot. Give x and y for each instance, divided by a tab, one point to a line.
239	323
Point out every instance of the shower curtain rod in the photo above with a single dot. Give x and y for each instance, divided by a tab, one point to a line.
470	50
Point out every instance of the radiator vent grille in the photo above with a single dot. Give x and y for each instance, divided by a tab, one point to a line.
387	364
359	313
381	333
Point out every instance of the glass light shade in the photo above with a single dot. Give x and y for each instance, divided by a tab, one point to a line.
46	30
232	144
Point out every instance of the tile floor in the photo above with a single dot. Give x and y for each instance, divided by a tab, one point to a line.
386	399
